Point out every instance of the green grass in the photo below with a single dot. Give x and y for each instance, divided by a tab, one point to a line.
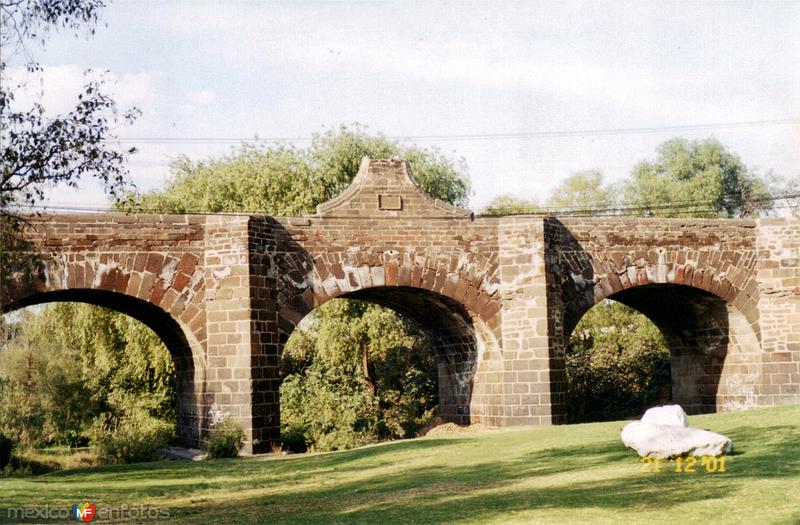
561	474
40	461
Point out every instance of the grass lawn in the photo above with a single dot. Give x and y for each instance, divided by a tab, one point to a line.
560	474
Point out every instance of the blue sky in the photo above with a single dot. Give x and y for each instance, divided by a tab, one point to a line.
240	69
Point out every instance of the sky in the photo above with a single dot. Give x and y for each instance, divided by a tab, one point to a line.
420	69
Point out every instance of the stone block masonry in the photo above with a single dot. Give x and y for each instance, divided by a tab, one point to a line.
497	297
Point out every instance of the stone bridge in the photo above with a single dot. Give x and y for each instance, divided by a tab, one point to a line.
497	297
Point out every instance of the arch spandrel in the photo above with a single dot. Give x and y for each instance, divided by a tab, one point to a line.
465	280
594	259
172	282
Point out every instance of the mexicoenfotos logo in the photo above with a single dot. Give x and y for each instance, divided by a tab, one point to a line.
86	512
83	512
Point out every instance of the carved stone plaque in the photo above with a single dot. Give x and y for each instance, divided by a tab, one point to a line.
390	202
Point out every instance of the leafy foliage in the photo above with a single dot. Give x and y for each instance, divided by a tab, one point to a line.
699	178
355	373
31	20
702	174
582	190
226	439
510	205
284	180
62	368
617	364
37	150
131	437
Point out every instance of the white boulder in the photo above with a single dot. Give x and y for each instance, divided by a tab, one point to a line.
664	432
666	415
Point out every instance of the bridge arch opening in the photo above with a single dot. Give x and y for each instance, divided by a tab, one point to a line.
712	345
183	348
456	339
617	364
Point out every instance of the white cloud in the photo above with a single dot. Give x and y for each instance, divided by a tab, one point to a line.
284	69
57	87
203	97
625	60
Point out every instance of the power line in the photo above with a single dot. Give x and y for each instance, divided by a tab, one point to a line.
477	136
681	205
685	207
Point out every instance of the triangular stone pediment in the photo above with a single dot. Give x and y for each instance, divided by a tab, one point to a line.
386	188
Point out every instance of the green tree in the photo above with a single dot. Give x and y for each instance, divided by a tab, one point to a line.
356	373
38	150
617	364
284	180
510	205
63	367
581	190
700	176
40	398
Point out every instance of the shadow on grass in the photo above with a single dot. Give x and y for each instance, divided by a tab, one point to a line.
484	491
182	477
448	490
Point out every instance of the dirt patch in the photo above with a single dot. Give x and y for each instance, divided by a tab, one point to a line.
438	427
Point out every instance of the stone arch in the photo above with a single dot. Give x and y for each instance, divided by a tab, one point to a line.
462	343
152	288
600	278
307	282
452	297
710	323
173	282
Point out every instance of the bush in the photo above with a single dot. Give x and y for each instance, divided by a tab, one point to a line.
293	438
355	373
44	403
226	440
135	437
6	448
332	411
74	439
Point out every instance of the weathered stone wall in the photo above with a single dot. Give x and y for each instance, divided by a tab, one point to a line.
533	373
440	272
497	297
228	305
778	380
695	279
386	242
266	343
149	267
